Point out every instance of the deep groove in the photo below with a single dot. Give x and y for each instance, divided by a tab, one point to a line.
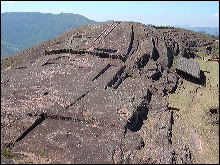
134	48
106	50
101	54
131	42
116	77
117	23
102	71
103	32
170	127
80	97
58	117
36	123
173	158
155	54
121	80
136	121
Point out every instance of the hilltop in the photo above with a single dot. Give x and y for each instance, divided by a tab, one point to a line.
20	30
113	92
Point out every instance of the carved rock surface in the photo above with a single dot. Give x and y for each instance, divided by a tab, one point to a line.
86	95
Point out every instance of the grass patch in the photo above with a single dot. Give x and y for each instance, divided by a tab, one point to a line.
42	153
201	54
5	152
193	122
8	61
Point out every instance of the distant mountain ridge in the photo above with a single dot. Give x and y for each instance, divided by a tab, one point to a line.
20	30
209	30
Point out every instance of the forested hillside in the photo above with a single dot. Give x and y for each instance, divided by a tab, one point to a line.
20	30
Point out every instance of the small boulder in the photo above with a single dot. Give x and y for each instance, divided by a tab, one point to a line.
188	66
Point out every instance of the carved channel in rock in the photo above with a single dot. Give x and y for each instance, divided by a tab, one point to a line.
106	50
116	77
80	97
21	67
116	24
169	57
173	157
60	117
101	72
121	80
40	119
131	41
101	54
155	54
170	127
58	60
36	123
102	33
107	31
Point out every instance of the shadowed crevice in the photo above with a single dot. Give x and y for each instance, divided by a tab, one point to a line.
115	78
131	41
121	80
170	127
136	121
36	123
101	72
155	54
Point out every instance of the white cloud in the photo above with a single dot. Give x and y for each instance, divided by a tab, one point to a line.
61	9
10	2
216	15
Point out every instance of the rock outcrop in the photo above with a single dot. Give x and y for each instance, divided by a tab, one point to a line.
188	66
87	96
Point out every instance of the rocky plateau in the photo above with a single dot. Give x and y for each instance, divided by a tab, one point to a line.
98	94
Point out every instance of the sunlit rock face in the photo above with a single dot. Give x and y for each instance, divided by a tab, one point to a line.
84	96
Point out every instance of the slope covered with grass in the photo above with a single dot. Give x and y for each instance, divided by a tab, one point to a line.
20	30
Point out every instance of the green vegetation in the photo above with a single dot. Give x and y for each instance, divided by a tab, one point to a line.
135	110
42	153
201	54
5	151
8	61
7	48
194	117
215	50
20	30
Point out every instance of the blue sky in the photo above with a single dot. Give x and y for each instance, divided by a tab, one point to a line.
193	13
